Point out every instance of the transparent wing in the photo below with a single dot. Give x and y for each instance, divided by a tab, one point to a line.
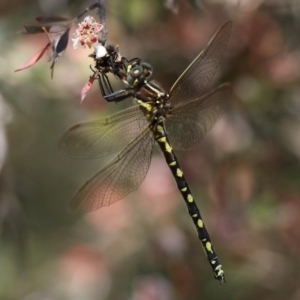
188	123
105	136
195	79
121	176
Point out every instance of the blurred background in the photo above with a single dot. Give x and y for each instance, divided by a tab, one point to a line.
244	174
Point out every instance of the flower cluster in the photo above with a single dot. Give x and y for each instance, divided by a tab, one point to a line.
87	33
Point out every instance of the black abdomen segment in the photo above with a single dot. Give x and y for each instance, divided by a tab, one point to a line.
161	138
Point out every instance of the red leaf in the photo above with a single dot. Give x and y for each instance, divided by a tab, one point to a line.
34	59
87	86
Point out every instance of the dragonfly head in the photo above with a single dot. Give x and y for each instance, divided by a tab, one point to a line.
138	73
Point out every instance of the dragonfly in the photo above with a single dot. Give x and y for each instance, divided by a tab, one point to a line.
175	121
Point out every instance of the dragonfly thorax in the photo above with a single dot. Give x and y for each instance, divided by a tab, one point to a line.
155	106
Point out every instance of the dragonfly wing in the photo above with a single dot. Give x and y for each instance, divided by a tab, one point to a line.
195	79
122	175
188	123
105	136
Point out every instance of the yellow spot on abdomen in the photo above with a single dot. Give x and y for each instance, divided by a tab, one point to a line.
219	268
179	173
208	247
162	139
190	198
200	223
160	129
129	68
168	147
184	189
173	163
194	215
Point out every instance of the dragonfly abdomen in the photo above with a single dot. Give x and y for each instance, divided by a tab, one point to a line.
194	212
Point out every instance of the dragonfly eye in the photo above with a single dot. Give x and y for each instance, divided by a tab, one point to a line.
147	69
134	75
136	72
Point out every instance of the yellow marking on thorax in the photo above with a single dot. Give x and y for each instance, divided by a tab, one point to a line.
190	198
129	68
157	91
179	172
173	163
194	215
184	189
213	262
208	247
200	223
145	105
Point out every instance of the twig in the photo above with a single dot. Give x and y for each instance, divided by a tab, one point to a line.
102	17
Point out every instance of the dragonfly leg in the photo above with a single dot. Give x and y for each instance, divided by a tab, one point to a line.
119	95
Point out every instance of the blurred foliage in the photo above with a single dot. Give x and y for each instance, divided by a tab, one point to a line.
245	173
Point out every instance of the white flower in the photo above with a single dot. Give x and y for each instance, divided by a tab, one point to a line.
87	33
